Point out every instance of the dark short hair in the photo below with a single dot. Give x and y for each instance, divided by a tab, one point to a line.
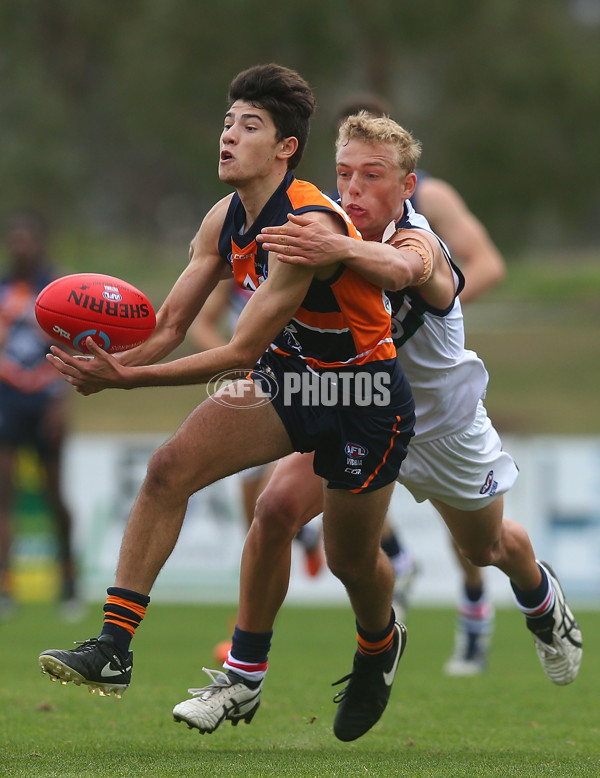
284	94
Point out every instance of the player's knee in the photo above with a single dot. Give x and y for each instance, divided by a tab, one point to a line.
352	569
278	513
343	570
481	556
158	474
165	472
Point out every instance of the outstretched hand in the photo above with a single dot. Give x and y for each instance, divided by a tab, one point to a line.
303	241
89	374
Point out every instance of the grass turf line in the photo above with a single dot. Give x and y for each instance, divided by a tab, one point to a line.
510	721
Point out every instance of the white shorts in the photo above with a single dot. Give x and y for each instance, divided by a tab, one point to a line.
467	470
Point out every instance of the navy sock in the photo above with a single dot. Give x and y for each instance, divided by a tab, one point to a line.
251	647
249	655
123	611
536	602
374	644
473	593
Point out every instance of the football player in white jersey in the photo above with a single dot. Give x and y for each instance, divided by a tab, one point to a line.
455	459
483	267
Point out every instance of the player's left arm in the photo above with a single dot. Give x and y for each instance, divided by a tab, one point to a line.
468	240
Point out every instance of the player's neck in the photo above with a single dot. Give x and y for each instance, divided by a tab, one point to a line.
256	194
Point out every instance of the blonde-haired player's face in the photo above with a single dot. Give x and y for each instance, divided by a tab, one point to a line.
247	144
372	187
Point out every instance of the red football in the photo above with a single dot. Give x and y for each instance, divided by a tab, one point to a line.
114	313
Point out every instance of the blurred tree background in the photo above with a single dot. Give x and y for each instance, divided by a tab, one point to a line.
110	111
110	116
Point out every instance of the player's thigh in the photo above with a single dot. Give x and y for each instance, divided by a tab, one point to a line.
294	494
221	438
352	523
473	530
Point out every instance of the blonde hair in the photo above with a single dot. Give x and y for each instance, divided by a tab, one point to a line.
367	128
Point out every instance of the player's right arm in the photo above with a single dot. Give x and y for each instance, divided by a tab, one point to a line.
411	257
188	295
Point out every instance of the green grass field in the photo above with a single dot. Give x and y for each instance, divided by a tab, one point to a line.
509	722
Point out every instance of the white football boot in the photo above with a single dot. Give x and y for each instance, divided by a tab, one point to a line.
558	639
227	697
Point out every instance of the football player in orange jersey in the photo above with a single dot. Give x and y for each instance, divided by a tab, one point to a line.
320	374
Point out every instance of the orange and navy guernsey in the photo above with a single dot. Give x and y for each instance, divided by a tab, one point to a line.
342	330
343	320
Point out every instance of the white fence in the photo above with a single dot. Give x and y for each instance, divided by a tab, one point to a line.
557	498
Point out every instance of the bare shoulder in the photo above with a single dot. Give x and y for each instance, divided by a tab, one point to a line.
440	202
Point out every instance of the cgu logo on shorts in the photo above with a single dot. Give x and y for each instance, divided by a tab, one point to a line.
489	486
355	450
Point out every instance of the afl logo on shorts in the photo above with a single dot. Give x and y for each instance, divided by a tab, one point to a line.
355	450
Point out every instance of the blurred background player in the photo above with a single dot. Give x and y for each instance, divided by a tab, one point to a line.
32	401
483	267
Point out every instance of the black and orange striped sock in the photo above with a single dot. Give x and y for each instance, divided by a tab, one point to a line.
375	644
123	612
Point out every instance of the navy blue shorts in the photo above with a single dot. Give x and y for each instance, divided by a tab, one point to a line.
22	418
357	421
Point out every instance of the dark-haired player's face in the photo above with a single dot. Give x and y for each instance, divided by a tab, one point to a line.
248	144
371	186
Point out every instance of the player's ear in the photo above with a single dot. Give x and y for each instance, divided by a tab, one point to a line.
287	147
410	184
